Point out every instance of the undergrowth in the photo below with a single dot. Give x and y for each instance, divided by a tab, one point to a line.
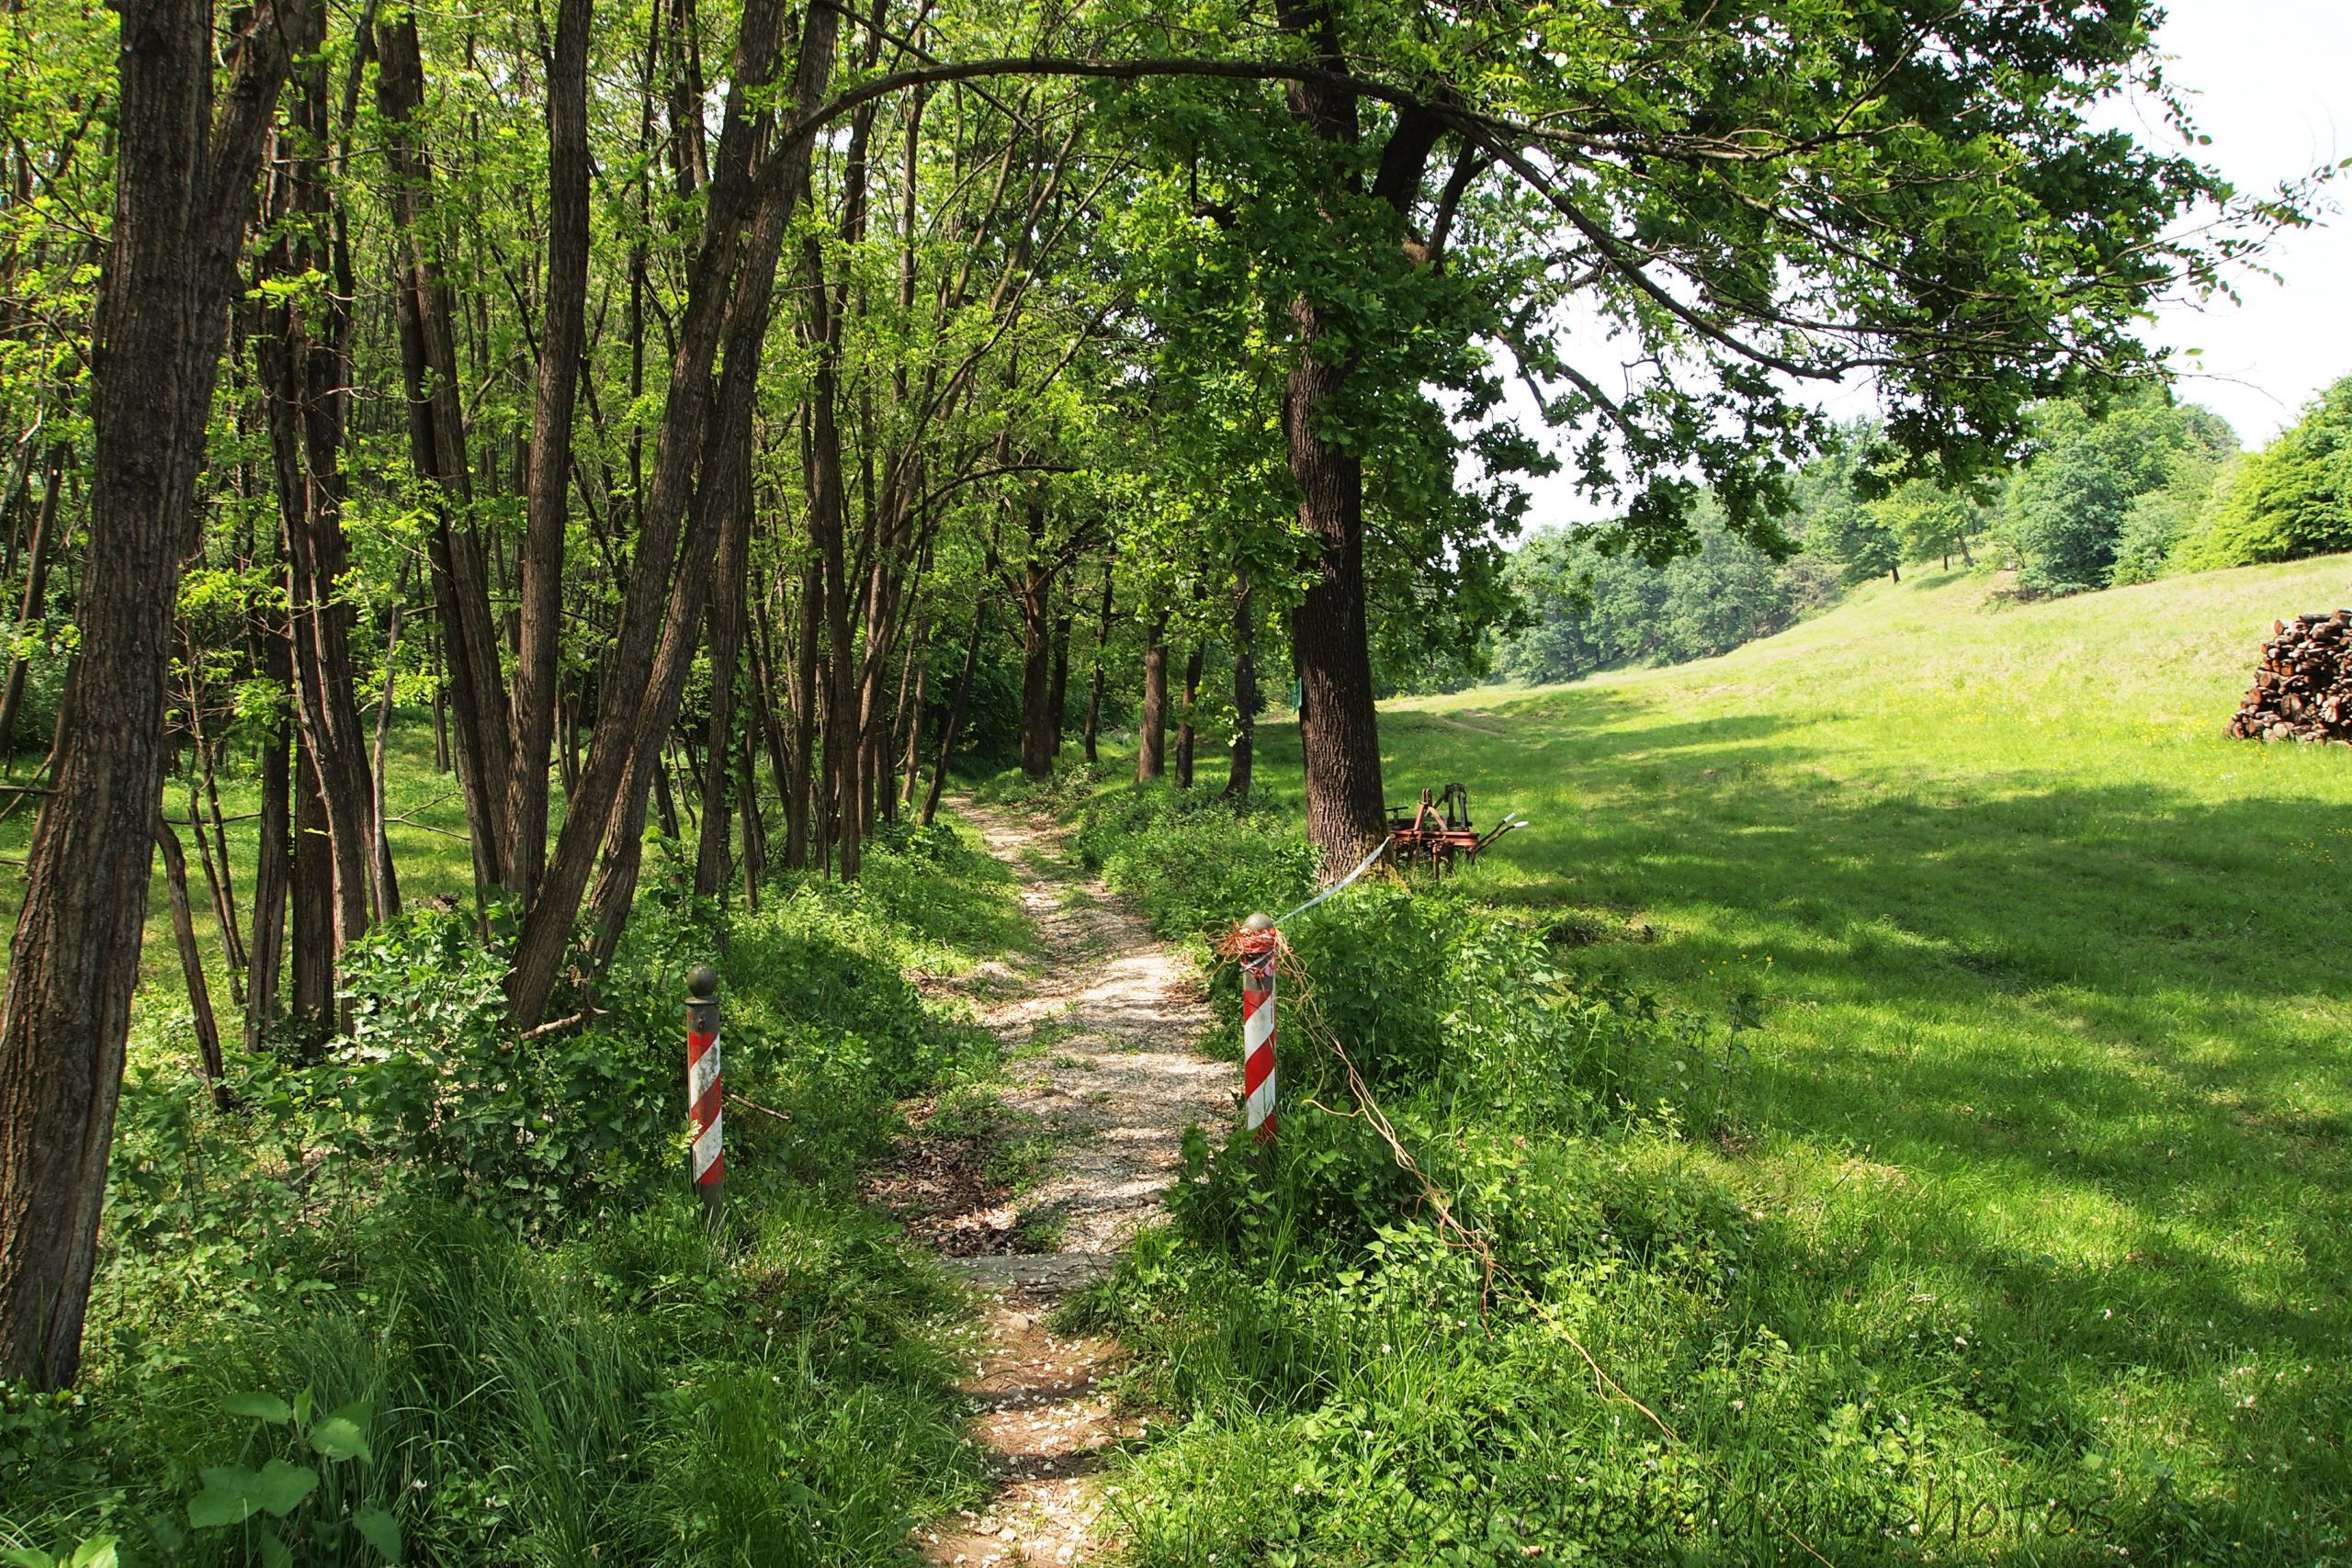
441	1297
1550	1321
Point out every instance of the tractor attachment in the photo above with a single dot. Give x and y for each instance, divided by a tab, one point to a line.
1437	832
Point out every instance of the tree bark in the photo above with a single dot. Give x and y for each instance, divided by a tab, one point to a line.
1151	733
36	591
539	634
311	912
1037	601
1245	685
199	993
1339	724
726	646
477	696
665	584
272	858
1094	693
1185	729
800	799
963	698
184	188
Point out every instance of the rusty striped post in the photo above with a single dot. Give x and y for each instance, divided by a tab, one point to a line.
708	1160
1260	946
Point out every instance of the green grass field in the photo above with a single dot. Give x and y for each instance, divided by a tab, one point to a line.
2051	990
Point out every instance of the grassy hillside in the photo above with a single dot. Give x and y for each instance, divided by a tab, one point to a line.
2050	1008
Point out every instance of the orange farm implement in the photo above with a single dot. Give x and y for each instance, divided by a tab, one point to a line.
1439	832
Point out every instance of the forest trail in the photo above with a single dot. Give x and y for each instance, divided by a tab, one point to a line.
1114	1025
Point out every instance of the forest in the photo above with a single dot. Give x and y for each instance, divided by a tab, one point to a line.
505	504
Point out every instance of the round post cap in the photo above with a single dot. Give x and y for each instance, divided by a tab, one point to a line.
1259	922
702	982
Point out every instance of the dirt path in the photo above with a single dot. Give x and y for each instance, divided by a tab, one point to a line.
1119	1079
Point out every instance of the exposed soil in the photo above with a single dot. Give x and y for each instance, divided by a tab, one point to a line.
1117	1022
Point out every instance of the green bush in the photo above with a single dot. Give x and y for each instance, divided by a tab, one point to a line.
483	1254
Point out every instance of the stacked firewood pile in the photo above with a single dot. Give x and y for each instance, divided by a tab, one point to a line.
2303	690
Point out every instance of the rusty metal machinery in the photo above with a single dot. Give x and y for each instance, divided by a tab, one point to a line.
1439	832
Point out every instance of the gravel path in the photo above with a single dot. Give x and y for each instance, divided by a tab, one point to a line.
1123	1074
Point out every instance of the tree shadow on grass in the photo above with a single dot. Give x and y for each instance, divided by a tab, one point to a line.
2093	1034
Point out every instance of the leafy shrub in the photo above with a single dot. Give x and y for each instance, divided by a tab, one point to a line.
1197	861
2291	499
487	1244
433	1082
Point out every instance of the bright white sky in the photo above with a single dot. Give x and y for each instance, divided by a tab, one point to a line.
2271	83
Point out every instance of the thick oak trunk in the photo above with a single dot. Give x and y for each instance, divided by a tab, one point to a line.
184	185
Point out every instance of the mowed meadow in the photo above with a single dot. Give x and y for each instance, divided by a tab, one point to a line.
2036	1003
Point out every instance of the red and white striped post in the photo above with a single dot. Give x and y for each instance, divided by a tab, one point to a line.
708	1161
1259	944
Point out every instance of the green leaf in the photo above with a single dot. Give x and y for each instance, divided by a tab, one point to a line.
343	1434
273	1551
28	1557
98	1552
380	1530
339	1438
281	1486
260	1406
302	1409
228	1497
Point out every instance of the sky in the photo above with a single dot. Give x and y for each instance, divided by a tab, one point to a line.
2270	81
2273	87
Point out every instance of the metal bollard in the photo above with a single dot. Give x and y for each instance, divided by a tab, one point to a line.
1258	1031
707	1162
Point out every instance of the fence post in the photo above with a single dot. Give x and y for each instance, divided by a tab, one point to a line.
1260	946
708	1163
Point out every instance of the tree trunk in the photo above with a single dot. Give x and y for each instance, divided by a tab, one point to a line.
1057	692
1338	725
36	591
1038	731
827	523
1185	730
798	803
387	877
539	632
266	950
913	764
310	913
723	488
663	598
477	696
1245	685
962	697
1094	694
1152	735
184	185
755	832
199	993
726	646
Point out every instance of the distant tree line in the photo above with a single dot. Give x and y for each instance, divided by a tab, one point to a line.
2146	487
